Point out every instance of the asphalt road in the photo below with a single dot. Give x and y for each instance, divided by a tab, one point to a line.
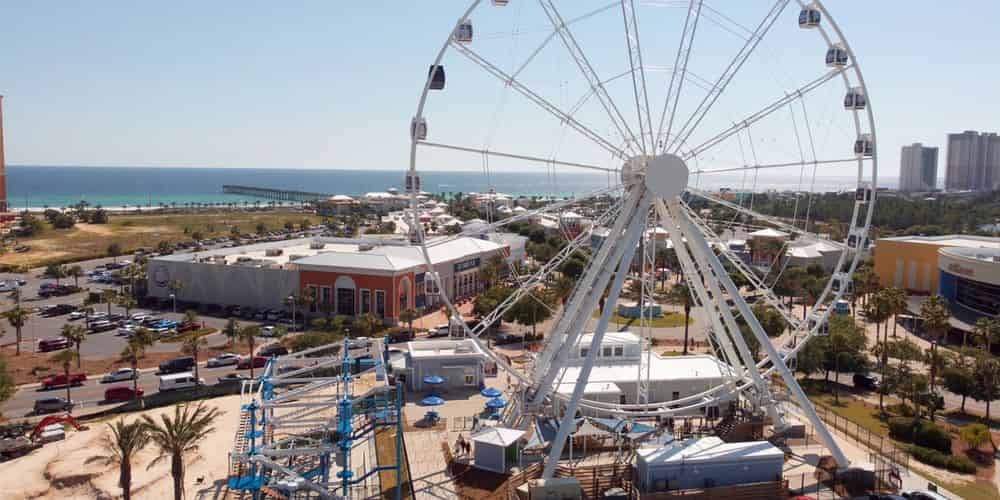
91	394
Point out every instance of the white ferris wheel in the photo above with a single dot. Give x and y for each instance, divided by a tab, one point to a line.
701	121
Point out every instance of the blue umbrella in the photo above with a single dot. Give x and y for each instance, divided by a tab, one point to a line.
432	401
491	392
433	380
496	403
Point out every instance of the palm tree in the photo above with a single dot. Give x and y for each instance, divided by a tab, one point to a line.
76	334
131	353
368	324
876	311
934	315
191	316
75	272
408	316
127	302
680	295
120	447
179	436
193	344
248	334
114	250
65	357
17	317
231	330
109	296
895	303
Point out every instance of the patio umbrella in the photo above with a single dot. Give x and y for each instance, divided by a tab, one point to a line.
496	403
432	401
491	392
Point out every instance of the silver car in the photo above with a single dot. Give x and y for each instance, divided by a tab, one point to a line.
224	359
120	375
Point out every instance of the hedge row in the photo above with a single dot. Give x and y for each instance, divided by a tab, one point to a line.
954	463
921	433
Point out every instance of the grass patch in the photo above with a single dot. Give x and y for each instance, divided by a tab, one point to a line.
667	320
131	231
979	488
179	337
672	353
850	407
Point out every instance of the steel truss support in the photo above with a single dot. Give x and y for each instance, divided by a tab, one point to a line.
617	269
698	241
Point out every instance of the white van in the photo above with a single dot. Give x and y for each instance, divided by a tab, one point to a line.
176	381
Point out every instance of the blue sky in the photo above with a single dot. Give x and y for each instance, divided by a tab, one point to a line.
332	84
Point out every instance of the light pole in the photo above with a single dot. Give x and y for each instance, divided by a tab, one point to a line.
173	299
291	299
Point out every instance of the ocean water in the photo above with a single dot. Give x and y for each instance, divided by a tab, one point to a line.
114	187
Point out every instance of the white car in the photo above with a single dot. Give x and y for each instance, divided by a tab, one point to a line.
267	331
77	315
224	359
139	317
126	331
360	342
119	375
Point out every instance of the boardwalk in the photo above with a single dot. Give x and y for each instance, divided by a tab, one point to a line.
273	194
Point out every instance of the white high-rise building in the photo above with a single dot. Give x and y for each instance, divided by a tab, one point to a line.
918	168
973	162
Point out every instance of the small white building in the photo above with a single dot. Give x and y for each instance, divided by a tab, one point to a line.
707	463
459	362
496	448
613	377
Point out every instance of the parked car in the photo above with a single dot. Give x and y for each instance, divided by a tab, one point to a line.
101	326
139	316
244	362
126	331
358	342
122	393
49	405
865	382
271	350
119	375
400	335
503	338
184	380
188	326
150	320
115	317
52	344
439	331
97	316
259	315
232	379
58	310
77	315
923	495
61	380
224	359
177	365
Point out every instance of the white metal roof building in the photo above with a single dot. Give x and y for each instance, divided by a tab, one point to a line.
613	377
707	462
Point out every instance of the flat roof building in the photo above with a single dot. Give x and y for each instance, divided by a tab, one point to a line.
911	262
346	277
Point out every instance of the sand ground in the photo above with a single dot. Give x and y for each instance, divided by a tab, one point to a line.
61	470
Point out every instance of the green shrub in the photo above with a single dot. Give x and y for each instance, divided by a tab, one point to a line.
929	435
901	428
955	463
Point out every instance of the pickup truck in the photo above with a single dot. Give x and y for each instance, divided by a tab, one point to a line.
61	380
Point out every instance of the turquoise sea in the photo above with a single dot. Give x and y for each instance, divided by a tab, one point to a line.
114	187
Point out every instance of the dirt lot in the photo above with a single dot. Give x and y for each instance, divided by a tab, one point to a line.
86	241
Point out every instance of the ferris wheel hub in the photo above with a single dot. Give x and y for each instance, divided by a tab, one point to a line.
665	175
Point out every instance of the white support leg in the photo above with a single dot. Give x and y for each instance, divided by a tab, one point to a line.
696	239
620	271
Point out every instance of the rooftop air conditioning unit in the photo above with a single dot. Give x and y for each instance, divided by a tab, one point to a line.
273	252
293	257
364	247
317	245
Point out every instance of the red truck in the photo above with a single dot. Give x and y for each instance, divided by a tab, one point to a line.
61	380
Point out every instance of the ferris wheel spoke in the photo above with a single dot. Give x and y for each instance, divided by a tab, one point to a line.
774	165
706	104
552	207
757	116
539	100
633	43
500	154
772	220
751	277
583	64
684	47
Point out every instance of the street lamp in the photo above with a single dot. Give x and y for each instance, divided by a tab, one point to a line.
291	299
173	299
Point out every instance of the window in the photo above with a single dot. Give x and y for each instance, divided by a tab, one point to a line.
619	351
676	395
380	303
366	301
584	351
311	290
470	380
606	351
324	298
345	301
